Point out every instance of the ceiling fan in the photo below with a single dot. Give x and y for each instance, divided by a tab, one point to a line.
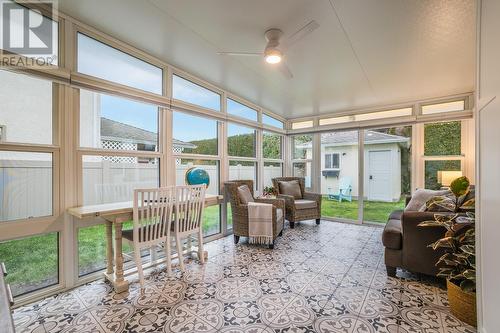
275	49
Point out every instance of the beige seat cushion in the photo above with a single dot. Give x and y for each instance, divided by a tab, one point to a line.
292	188
305	204
245	194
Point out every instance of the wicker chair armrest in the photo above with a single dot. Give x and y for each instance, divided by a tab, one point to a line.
313	196
277	203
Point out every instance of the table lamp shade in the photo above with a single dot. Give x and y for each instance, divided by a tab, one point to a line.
446	177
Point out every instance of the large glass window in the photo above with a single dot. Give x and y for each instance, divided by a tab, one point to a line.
25	185
117	123
241	141
241	110
108	179
272	170
302	155
242	170
26	109
444	107
443	138
194	135
272	145
268	120
32	263
105	62
339	174
190	92
387	174
433	169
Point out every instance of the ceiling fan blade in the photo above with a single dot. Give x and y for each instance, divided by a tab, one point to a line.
285	70
301	33
245	54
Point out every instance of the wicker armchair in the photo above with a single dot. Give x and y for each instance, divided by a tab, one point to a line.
240	211
306	208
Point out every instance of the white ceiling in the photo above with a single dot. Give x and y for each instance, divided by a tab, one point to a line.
365	52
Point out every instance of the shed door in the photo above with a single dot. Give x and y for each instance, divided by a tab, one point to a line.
379	175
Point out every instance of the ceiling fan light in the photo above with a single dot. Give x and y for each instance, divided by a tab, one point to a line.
273	56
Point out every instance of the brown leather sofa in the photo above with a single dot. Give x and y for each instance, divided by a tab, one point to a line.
406	244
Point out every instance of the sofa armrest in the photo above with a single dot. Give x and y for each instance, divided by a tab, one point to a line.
407	200
277	203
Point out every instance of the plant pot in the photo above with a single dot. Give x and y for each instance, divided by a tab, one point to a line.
462	303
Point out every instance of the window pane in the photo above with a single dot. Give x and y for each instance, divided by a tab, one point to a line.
271	145
190	92
302	124
443	138
243	170
108	179
47	45
444	107
268	120
105	62
303	169
32	263
387	178
432	169
211	220
91	249
302	146
240	141
339	186
194	135
241	110
336	120
272	170
111	122
25	185
26	111
384	114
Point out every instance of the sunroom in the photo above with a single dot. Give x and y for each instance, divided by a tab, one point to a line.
362	120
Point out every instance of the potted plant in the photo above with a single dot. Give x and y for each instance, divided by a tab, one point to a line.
458	264
269	191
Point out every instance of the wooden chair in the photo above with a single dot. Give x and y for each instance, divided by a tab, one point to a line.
189	206
153	214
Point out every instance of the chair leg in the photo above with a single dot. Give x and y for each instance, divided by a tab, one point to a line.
318	221
271	246
292	225
138	262
201	254
168	255
179	252
236	239
391	271
281	233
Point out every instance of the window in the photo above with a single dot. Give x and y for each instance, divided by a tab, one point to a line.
303	169
48	35
332	161
108	179
433	168
110	122
272	170
384	114
241	110
190	92
105	62
25	185
302	124
26	109
210	166
241	141
268	120
336	120
272	145
443	138
32	262
194	135
302	146
239	170
444	107
92	249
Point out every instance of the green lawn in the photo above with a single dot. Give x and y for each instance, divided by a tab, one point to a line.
374	211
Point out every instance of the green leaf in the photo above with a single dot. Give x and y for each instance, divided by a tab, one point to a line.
431	224
460	186
469	249
469	274
447	242
467	285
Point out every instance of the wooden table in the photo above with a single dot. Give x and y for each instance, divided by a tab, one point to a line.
115	214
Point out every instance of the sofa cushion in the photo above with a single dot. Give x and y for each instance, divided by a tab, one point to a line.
305	204
396	215
292	188
245	195
420	197
392	237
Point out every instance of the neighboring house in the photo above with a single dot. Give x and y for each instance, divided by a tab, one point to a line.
339	159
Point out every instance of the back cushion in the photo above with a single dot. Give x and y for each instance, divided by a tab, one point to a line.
292	188
420	197
245	194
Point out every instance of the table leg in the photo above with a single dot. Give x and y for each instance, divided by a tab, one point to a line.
109	248
120	283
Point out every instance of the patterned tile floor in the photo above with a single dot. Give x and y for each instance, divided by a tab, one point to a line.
327	278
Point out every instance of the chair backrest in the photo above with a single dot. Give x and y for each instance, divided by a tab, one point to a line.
345	184
231	188
153	213
277	180
189	206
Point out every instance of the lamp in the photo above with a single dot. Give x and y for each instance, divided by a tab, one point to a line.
446	177
272	55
